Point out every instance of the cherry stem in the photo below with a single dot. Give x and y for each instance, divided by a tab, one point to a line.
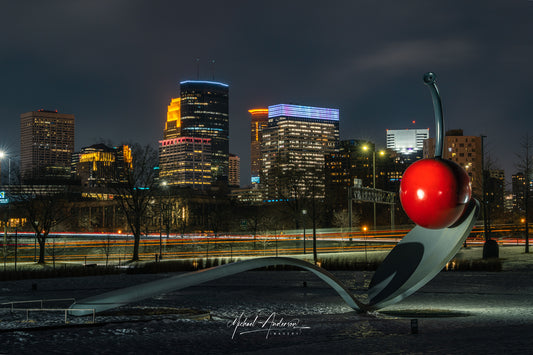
429	80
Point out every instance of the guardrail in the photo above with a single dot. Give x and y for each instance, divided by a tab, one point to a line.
66	310
13	303
41	309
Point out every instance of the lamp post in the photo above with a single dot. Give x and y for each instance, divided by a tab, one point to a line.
304	212
164	185
381	152
2	156
364	236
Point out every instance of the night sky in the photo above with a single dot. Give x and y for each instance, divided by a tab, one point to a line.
116	64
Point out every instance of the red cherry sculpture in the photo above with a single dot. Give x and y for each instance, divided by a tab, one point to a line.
434	192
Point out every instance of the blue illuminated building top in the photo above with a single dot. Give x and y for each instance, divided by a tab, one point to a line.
319	113
203	82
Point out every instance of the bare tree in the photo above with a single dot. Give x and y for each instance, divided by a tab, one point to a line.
134	189
341	219
45	207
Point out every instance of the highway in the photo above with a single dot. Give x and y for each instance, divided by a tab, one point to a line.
117	247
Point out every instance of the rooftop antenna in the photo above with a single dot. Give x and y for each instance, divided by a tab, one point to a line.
197	68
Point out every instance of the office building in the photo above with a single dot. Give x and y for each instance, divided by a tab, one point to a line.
518	186
495	191
407	141
46	145
204	114
234	171
258	122
99	165
295	143
252	195
185	162
465	151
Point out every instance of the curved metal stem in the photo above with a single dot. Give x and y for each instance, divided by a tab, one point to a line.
429	80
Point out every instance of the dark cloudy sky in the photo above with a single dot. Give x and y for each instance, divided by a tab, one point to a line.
116	64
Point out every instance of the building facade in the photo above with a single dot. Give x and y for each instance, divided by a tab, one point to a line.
407	144
495	192
465	151
185	162
204	113
518	186
234	171
295	144
259	121
100	165
173	123
46	145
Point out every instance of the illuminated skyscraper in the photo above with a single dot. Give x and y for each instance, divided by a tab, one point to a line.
173	124
204	114
186	162
258	123
295	143
46	145
234	170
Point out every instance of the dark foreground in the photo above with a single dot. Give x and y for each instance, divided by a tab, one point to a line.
272	312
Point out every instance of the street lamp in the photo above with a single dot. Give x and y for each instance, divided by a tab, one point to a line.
381	153
304	212
164	184
2	156
364	236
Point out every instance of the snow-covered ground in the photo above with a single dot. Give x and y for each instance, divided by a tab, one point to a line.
272	312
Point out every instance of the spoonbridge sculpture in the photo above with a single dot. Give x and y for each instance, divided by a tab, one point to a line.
435	194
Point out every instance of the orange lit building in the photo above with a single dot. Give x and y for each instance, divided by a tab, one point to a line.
173	124
100	165
258	123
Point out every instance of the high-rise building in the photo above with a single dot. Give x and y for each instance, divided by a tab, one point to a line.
234	170
204	114
46	145
518	186
173	123
495	191
465	151
407	141
186	162
345	165
99	165
258	123
295	143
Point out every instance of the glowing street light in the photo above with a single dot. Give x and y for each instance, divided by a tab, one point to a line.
381	153
364	235
2	156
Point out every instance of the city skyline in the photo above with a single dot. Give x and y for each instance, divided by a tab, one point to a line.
113	66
